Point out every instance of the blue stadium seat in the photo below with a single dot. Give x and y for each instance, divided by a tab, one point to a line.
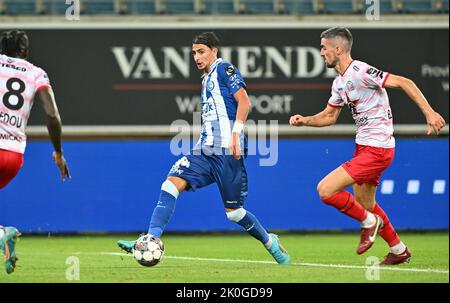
140	6
386	6
99	7
259	6
445	6
180	6
219	6
418	6
55	7
299	7
20	7
338	6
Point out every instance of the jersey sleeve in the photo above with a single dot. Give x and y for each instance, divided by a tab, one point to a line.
41	79
373	77
231	76
335	99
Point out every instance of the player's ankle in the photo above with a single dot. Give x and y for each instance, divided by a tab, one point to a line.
369	221
269	243
398	249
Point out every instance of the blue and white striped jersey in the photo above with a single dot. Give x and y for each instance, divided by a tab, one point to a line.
219	106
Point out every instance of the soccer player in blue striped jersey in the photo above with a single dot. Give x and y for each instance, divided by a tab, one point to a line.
218	156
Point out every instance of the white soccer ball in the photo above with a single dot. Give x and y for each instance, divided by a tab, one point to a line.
148	250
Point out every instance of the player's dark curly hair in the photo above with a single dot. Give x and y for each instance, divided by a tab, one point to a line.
208	38
14	43
341	32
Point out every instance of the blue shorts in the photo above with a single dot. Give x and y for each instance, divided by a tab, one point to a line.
203	169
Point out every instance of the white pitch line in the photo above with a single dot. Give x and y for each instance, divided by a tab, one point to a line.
427	270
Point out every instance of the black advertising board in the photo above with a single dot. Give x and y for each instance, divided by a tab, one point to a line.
148	77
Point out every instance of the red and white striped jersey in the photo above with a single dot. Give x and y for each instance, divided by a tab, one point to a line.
19	82
361	87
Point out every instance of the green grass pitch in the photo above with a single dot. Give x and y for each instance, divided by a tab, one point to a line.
228	258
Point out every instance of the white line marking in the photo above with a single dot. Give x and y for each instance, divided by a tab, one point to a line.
428	270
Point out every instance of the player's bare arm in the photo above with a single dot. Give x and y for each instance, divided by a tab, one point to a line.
326	117
241	116
47	98
434	120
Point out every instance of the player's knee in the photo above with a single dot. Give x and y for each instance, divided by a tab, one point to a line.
169	187
236	215
324	191
179	183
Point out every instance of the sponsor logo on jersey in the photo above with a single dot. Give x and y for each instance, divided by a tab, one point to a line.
350	86
10	137
375	73
362	120
176	168
17	68
229	70
235	83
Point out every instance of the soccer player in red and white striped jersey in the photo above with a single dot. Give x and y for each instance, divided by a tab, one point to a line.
20	83
363	89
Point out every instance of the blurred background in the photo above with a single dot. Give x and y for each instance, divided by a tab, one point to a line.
122	73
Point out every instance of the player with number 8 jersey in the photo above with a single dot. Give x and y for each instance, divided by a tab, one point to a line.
20	83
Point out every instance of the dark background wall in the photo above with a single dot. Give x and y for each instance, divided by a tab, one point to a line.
92	88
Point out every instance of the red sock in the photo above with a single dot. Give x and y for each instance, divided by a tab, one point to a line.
388	232
345	203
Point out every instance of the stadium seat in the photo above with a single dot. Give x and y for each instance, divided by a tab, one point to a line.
299	7
20	7
418	6
98	7
180	6
386	6
259	6
55	7
445	6
338	6
140	6
219	6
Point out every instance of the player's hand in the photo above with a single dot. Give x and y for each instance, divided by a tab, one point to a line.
234	147
60	161
297	120
435	123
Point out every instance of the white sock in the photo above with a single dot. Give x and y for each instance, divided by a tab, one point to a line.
398	248
269	243
369	221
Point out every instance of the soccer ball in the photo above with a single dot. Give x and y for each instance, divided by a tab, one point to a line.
148	250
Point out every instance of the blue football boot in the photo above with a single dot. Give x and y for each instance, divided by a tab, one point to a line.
127	246
8	246
278	252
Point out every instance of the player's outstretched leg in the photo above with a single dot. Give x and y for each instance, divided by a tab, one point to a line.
161	214
251	225
8	238
398	253
370	223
